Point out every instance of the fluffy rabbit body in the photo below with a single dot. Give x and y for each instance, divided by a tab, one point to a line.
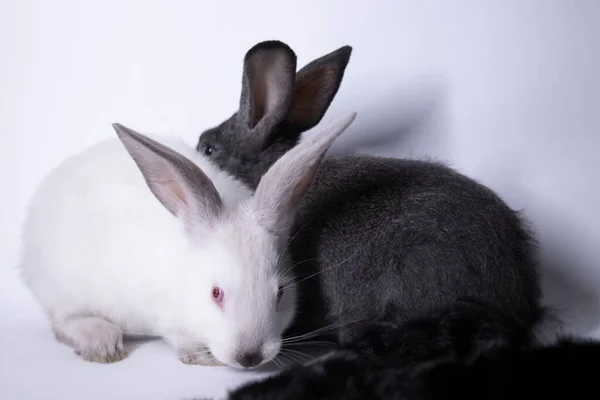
510	371
377	241
132	236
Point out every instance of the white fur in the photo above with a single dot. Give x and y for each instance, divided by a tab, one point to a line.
97	242
104	257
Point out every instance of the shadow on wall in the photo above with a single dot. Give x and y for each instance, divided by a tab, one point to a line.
570	276
407	121
577	306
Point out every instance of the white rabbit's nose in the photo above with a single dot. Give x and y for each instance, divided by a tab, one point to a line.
249	360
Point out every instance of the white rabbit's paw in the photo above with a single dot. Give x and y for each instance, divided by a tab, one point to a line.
104	352
93	338
198	355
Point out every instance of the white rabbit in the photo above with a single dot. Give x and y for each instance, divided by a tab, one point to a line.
204	267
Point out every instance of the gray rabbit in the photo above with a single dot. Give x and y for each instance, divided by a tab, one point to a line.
377	241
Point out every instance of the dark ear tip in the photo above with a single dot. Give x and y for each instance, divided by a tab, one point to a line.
344	53
346	49
270	45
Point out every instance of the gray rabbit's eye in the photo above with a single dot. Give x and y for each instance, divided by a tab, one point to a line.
208	150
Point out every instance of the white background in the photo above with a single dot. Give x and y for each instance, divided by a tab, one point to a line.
507	91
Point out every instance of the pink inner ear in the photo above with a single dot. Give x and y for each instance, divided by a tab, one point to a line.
177	191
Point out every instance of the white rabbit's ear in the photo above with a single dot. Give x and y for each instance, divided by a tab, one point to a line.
179	184
282	187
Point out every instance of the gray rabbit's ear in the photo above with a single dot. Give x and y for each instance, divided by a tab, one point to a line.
176	182
283	186
316	86
267	87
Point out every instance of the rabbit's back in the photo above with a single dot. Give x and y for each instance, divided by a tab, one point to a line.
398	238
86	231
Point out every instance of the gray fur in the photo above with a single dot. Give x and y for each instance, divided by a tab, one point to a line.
391	239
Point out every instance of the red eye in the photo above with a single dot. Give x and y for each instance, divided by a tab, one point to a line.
279	294
218	295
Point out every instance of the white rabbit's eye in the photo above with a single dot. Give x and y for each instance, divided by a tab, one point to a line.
218	295
279	294
208	150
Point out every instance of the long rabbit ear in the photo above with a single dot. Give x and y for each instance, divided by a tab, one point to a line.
282	187
179	184
316	86
267	88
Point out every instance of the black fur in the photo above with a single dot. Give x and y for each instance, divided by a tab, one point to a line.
460	332
509	370
558	371
379	242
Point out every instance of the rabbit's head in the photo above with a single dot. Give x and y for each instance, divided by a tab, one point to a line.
233	286
277	105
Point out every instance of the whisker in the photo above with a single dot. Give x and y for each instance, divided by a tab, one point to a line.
289	279
288	245
319	331
277	362
286	359
295	265
290	285
312	343
325	328
326	269
294	358
298	353
308	335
